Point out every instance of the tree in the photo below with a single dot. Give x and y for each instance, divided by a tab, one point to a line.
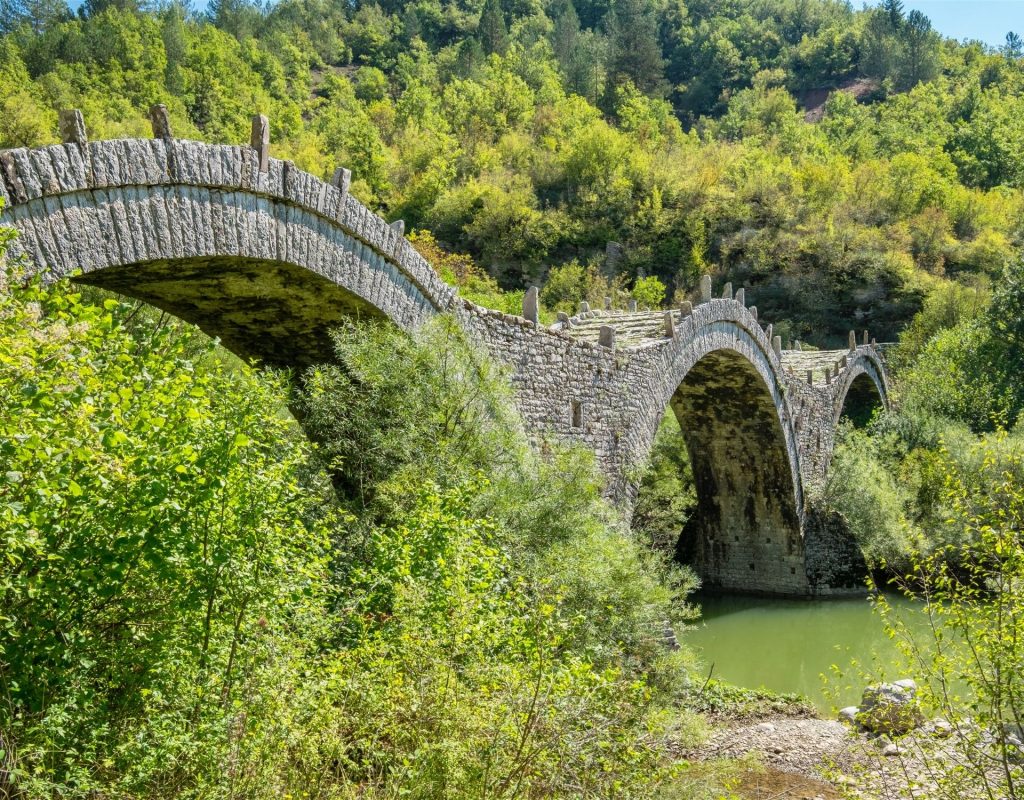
920	61
39	15
634	53
565	33
470	57
894	11
491	31
1014	46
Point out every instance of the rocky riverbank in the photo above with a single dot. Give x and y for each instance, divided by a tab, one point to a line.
883	749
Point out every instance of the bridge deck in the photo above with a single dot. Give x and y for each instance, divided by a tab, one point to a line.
638	328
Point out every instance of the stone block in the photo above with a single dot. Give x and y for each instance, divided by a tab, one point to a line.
531	305
705	288
160	122
72	127
259	140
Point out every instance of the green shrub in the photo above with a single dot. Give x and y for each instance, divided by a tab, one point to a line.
864	489
164	572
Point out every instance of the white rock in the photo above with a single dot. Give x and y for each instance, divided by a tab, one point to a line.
849	714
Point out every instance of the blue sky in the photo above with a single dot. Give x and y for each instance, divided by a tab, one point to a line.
987	20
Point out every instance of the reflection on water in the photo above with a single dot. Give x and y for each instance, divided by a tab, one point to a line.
787	645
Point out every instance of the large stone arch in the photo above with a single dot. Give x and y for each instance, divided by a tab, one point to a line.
268	260
723	382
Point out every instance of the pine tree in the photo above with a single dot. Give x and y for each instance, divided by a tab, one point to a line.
492	33
565	33
634	53
1014	46
37	14
411	26
469	58
894	10
921	50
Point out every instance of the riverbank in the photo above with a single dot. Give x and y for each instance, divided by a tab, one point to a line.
793	755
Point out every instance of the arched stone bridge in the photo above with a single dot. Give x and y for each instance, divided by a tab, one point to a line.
269	258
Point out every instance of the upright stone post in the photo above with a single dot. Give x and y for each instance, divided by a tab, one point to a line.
828	375
72	127
865	337
727	291
606	337
810	377
670	325
584	307
342	179
741	296
853	341
874	342
607	304
753	312
260	140
632	305
160	122
398	226
686	308
531	305
843	363
777	346
768	333
798	346
705	288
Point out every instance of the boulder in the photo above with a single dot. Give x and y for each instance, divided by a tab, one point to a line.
849	715
939	728
889	708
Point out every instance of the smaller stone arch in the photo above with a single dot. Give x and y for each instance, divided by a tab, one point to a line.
863	389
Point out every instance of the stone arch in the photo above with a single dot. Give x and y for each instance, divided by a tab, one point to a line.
863	389
268	260
725	388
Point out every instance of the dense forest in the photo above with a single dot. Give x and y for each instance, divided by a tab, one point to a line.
196	602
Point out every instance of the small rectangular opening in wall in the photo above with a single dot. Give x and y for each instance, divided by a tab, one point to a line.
576	410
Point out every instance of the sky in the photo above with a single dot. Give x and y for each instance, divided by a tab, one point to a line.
987	20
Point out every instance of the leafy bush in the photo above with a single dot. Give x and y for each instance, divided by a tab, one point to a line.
967	658
164	571
171	624
863	488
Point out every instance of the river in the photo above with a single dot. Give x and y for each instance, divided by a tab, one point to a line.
788	645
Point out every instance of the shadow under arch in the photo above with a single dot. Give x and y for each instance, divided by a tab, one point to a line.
276	313
745	533
861	399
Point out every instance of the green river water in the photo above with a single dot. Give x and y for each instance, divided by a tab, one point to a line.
788	645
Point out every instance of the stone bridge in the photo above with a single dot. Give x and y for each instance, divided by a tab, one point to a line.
268	258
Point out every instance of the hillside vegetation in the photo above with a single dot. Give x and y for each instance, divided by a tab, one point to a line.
529	135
